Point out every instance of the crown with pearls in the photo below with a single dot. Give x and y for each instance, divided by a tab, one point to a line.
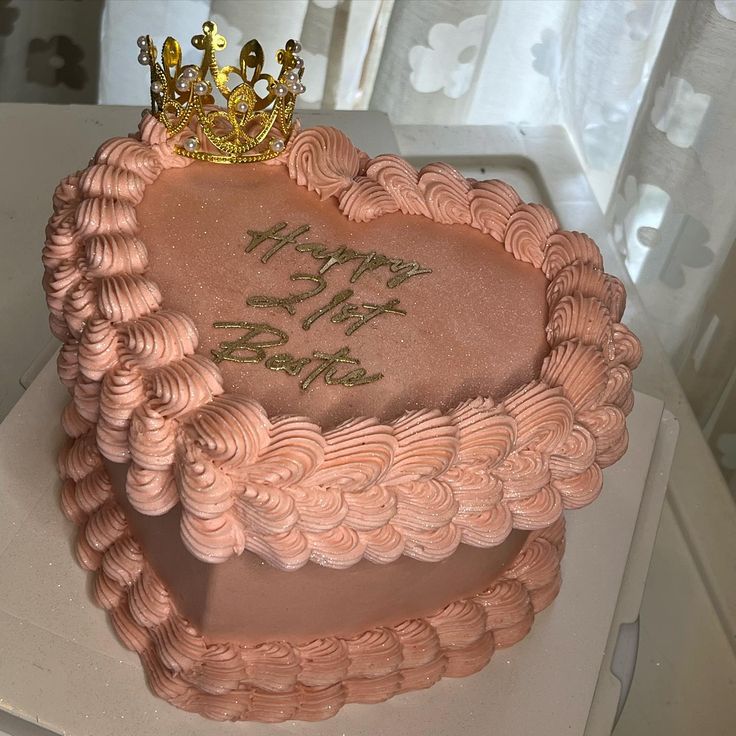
249	126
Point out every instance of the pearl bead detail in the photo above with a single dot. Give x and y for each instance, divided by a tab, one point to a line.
188	81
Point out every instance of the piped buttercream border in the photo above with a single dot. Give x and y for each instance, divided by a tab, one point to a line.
282	487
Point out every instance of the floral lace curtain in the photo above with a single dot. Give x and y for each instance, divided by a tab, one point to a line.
673	215
645	89
49	51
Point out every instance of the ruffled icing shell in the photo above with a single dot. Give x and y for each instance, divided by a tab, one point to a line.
324	160
400	181
446	192
565	248
491	205
365	200
527	232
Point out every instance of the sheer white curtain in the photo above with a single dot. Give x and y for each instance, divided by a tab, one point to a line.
645	89
582	64
350	34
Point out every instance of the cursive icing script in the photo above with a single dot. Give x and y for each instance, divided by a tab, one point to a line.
360	314
259	341
259	338
275	239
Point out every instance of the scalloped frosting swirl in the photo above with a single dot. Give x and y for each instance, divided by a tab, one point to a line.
324	160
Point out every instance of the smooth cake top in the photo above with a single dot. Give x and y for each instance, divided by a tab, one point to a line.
314	315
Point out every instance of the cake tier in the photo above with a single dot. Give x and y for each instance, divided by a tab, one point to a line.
248	601
282	678
148	391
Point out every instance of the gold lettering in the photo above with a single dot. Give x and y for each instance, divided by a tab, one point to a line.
328	368
255	351
371	261
288	302
286	362
404	270
350	311
327	365
259	338
338	257
359	377
257	237
336	300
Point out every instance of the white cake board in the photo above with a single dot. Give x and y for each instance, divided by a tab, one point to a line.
61	666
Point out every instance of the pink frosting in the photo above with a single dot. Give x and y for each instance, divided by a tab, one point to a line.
491	205
324	160
280	680
282	487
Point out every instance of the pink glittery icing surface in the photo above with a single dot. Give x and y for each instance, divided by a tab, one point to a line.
474	326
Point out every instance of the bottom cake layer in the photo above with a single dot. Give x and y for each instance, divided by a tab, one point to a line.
248	601
278	680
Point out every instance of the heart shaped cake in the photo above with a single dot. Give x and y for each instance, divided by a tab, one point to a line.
326	411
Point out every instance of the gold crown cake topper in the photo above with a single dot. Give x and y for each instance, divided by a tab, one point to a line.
251	126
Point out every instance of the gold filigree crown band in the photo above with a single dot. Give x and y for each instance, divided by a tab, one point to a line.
249	126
